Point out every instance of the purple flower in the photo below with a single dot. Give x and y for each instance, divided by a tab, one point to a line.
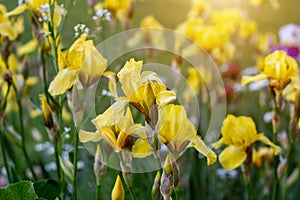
291	50
289	34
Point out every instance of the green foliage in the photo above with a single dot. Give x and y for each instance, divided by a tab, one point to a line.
22	190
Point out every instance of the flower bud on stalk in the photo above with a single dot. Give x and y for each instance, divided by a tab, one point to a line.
126	166
155	188
118	190
99	167
170	177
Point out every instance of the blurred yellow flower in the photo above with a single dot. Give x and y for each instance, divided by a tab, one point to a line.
247	29
143	89
259	156
81	61
266	41
198	8
274	3
292	91
279	68
152	32
9	27
120	9
118	192
36	4
239	133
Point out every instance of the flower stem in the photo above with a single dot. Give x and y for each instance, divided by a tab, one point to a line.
9	176
75	165
277	98
22	132
97	197
177	195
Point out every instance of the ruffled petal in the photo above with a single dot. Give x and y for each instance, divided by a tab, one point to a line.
112	84
165	97
200	146
86	136
266	140
232	157
63	81
141	148
249	79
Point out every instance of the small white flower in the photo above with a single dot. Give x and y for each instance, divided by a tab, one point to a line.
102	14
81	30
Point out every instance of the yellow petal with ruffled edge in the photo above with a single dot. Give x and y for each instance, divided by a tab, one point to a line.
130	78
266	140
232	157
238	131
63	81
165	97
200	146
111	116
86	136
112	84
249	79
141	148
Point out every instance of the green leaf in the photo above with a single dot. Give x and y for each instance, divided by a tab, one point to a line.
48	189
22	190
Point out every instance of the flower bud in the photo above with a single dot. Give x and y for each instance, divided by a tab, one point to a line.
99	167
118	190
155	188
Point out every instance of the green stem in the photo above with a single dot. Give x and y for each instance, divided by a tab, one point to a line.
177	195
22	132
9	176
97	197
75	165
277	98
132	195
247	181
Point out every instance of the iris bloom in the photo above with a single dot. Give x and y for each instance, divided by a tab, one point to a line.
116	127
143	89
81	61
239	134
279	68
177	133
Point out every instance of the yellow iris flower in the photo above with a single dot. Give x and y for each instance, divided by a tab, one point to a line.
177	132
81	61
143	89
279	68
116	127
239	133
